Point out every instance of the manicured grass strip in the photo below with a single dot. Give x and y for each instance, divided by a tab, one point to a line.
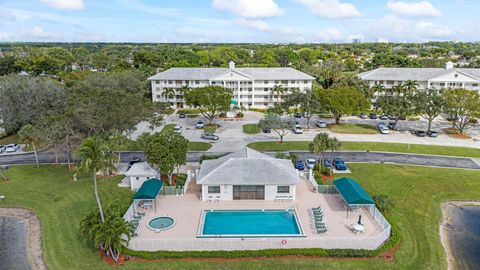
251	128
188	111
353	129
10	139
374	146
210	129
168	127
198	146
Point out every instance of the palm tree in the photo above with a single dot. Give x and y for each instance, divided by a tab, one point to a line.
318	146
277	89
398	89
168	93
333	145
379	88
95	155
411	86
29	134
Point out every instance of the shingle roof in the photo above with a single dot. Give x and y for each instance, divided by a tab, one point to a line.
247	167
141	169
417	74
210	73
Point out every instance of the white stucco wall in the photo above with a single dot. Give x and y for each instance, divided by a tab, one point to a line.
226	193
135	183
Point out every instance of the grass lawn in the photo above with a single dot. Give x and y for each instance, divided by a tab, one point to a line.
210	128
374	146
10	139
198	146
353	129
251	128
168	127
416	192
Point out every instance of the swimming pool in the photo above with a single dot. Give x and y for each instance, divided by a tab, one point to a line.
250	223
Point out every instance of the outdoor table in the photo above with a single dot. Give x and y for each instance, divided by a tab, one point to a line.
359	228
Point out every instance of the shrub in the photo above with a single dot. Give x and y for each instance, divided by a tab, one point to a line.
208	157
240	115
258	110
188	111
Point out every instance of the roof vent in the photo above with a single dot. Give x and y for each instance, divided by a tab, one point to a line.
231	65
449	65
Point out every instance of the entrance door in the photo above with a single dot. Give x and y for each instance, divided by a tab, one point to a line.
249	192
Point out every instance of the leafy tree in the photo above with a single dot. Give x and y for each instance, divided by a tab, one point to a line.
319	145
277	124
110	234
429	104
308	104
29	134
95	155
210	100
396	106
342	101
464	107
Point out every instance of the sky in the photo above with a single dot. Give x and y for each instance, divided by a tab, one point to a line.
239	21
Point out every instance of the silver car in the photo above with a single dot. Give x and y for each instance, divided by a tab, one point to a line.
321	124
209	136
2	148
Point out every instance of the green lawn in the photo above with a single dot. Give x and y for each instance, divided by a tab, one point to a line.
198	146
210	128
168	127
251	128
10	139
416	191
374	146
353	129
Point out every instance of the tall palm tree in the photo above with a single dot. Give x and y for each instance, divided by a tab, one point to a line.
29	134
398	89
411	86
95	155
379	88
278	90
168	93
333	145
318	146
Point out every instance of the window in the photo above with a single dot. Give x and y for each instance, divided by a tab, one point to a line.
305	82
159	96
197	82
475	84
170	82
214	189
292	81
265	82
276	82
137	178
283	189
157	82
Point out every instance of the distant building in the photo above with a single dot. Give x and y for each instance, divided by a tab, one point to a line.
251	87
427	78
357	40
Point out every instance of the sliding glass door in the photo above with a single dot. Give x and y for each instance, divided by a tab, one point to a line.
249	192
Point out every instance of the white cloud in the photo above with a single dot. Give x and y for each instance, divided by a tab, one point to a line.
65	4
254	24
414	9
331	9
329	35
431	30
249	8
35	33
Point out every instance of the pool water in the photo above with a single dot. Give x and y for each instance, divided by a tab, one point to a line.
161	223
250	223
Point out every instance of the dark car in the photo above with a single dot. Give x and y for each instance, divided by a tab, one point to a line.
432	134
420	133
326	163
339	164
298	115
133	161
182	115
403	118
392	117
391	125
266	130
300	165
372	116
383	117
209	136
363	116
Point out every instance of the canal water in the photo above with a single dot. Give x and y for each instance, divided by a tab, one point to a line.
13	254
465	237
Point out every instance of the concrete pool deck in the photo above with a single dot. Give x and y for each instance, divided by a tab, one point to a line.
187	211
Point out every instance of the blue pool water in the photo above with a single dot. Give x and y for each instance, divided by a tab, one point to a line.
250	223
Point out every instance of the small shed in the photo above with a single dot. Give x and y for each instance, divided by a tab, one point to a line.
148	192
139	173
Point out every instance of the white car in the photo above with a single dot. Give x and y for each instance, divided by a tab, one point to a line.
321	124
383	130
310	162
10	148
200	124
298	129
178	129
2	148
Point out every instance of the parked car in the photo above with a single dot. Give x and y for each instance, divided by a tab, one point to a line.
420	133
383	117
133	161
383	130
178	129
391	125
2	148
392	117
432	134
326	163
300	165
402	118
266	130
372	116
200	124
310	162
321	124
339	164
298	115
10	148
182	115
363	116
298	129
209	136
296	122
381	124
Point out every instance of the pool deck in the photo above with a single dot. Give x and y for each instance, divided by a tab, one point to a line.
187	210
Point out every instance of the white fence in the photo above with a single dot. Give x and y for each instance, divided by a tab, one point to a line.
187	182
311	179
130	212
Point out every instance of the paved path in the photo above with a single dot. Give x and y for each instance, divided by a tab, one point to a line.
47	157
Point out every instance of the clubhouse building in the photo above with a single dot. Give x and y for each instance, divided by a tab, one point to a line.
251	87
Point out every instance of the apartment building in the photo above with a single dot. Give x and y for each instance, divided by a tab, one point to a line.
427	78
251	87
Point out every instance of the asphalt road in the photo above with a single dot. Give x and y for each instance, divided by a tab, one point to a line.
47	157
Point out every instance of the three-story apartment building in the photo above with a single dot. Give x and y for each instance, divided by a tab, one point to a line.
251	87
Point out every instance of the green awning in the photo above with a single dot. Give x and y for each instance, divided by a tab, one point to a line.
352	192
233	102
149	190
